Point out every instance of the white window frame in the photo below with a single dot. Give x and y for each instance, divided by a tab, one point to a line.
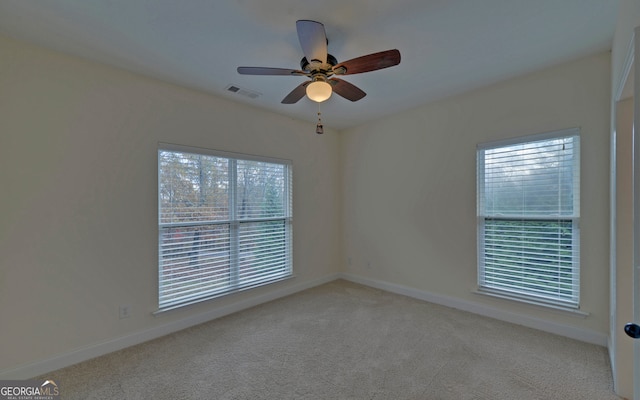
489	284
234	223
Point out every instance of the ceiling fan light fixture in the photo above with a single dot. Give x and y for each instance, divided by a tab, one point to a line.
319	91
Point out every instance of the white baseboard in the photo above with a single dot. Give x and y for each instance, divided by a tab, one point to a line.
584	335
75	356
84	353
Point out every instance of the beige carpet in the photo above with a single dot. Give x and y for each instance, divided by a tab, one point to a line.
345	341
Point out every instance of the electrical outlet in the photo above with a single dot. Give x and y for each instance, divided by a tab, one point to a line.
125	311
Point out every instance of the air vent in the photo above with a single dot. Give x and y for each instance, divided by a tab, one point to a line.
243	92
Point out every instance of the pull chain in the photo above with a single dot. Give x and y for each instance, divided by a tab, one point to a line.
319	128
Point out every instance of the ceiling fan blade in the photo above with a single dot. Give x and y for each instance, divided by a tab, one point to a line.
313	40
269	71
371	62
346	89
296	94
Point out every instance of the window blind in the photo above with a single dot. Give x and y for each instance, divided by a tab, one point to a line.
528	218
224	223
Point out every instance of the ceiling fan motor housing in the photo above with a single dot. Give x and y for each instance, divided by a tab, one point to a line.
314	65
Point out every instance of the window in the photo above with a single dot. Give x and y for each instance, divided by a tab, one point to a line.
528	218
224	223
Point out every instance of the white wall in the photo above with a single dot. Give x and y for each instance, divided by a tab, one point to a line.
409	189
78	177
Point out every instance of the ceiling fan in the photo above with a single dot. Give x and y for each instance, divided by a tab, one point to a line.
320	66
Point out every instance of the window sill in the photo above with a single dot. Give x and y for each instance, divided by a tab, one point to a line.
553	307
225	293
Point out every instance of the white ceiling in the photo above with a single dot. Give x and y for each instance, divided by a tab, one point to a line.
447	46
